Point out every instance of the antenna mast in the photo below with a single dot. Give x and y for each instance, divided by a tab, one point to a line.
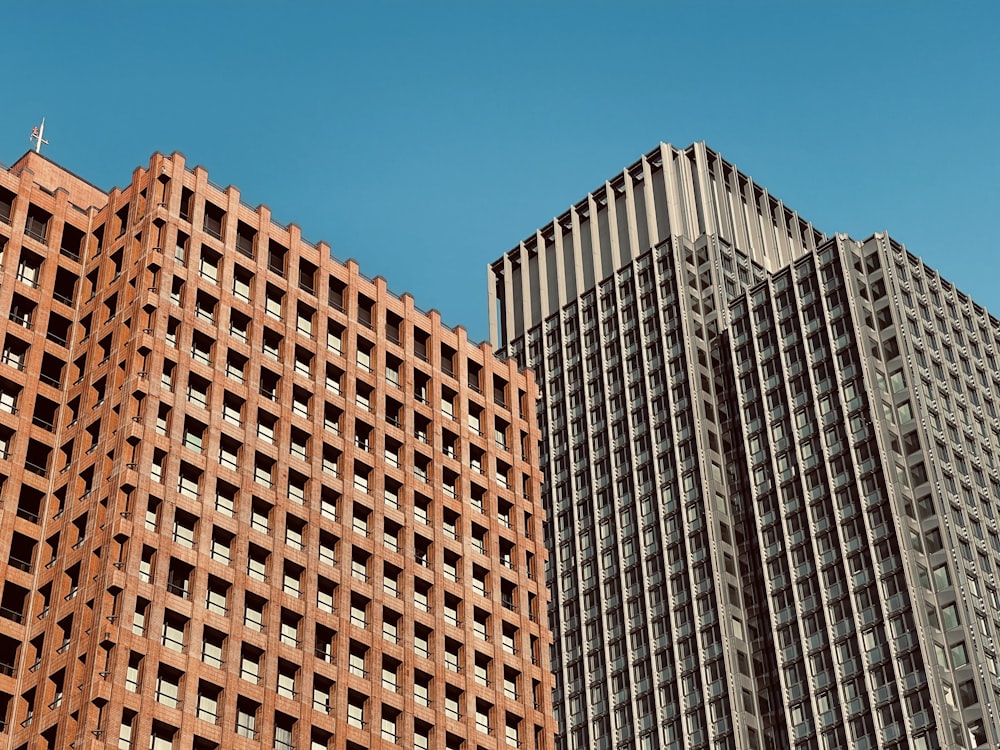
38	136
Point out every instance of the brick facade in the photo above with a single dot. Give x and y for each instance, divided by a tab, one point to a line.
250	497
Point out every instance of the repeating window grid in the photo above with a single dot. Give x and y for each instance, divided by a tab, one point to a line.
226	505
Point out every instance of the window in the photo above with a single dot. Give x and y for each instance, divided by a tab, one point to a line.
6	205
242	281
356	709
452	651
167	687
133	673
236	366
250	664
303	362
392	370
512	733
365	355
363	396
421	642
146	563
163	420
327	548
8	397
359	564
296	488
257	563
421	598
390	580
184	529
264	471
217	596
266	426
356	662
272	345
239	326
359	613
389	718
452	705
475	423
289	633
273	302
334	337
214	217
156	473
480	626
483	717
304	321
959	655
326	592
286	679
299	444
162	737
322	691
204	308
229	454
212	644
324	643
300	402
390	626
448	398
193	435
174	627
390	670
15	353
246	719
421	688
291	584
510	685
331	460
187	483
225	499
283	733
28	269
125	732
451	563
294	529
361	515
482	670
260	516
181	248
253	617
208	702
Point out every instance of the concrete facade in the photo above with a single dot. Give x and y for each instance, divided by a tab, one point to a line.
736	560
865	390
249	496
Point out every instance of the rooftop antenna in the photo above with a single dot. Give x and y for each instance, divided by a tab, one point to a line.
37	135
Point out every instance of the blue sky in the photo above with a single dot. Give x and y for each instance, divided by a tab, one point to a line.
425	139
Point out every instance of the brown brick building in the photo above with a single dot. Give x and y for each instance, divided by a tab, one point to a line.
250	498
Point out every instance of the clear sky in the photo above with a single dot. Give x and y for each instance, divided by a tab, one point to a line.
425	139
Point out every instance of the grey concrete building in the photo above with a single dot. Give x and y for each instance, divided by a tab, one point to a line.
769	474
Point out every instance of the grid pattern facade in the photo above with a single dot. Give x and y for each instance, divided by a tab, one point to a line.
645	565
867	389
249	495
771	473
615	306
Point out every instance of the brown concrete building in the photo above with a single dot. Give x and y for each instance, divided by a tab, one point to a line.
250	497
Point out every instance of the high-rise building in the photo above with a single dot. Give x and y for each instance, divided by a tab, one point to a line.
249	496
771	472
